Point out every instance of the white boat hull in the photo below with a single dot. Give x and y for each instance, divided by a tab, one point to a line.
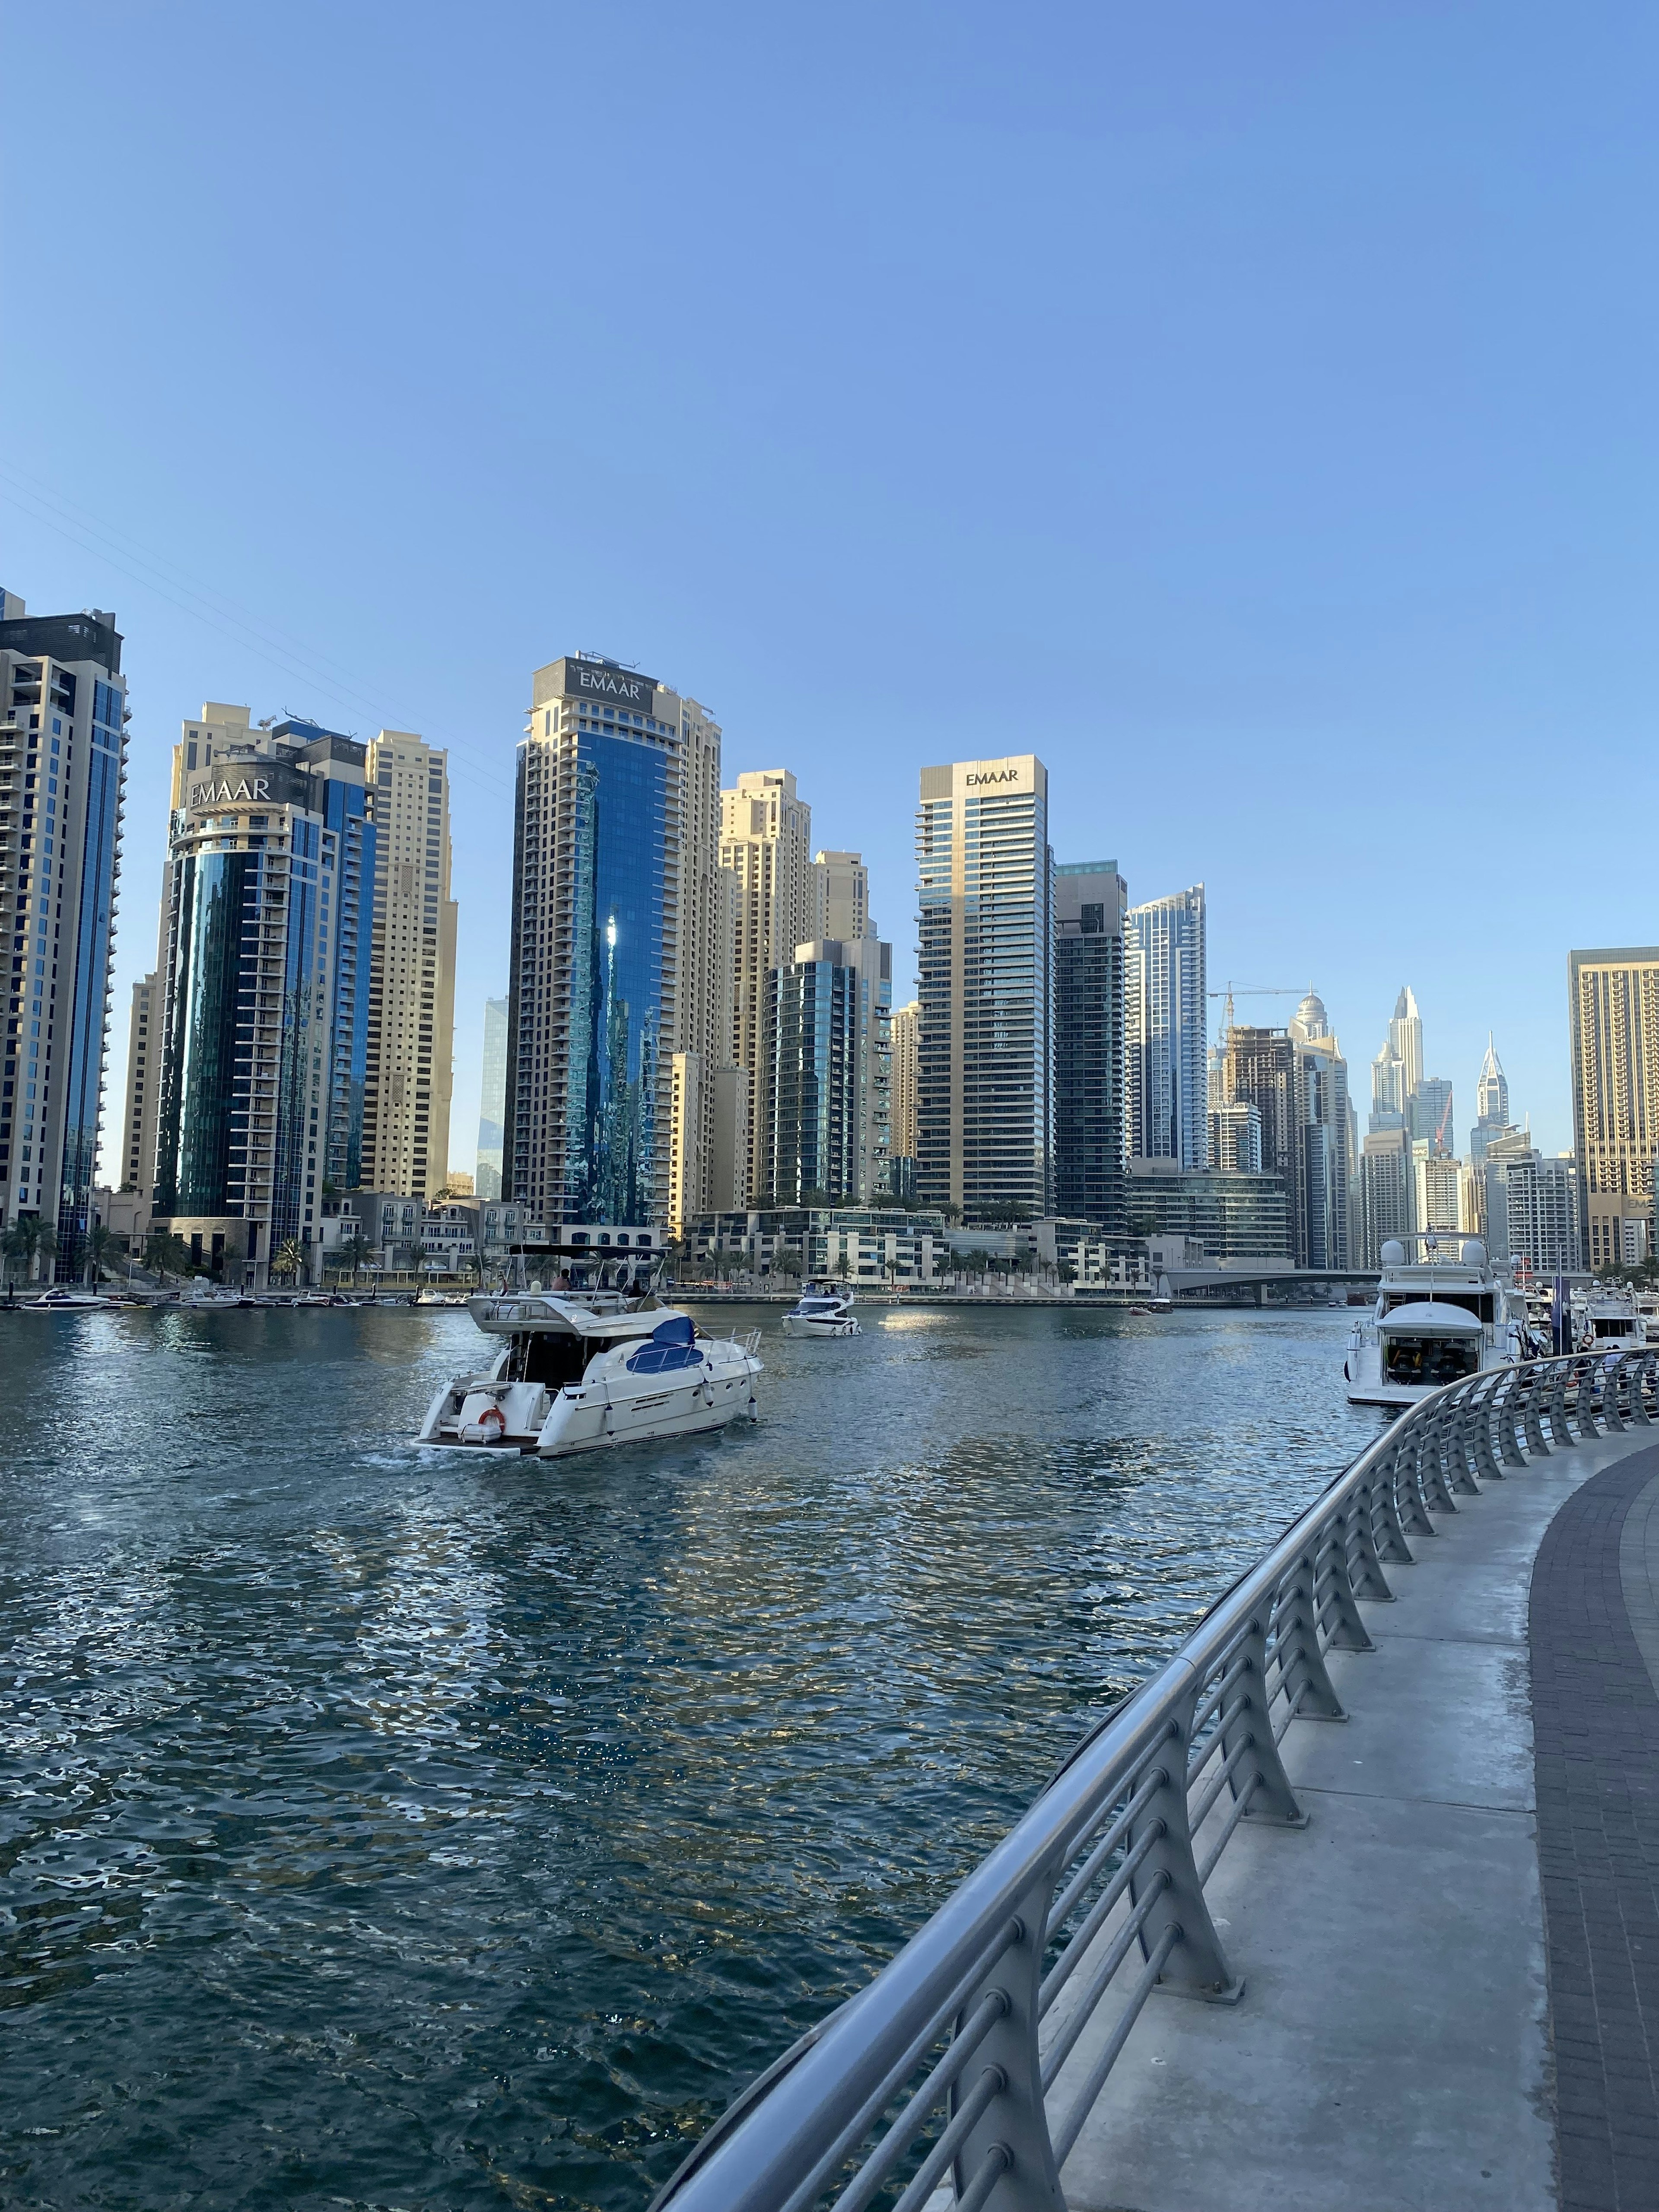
610	1406
794	1325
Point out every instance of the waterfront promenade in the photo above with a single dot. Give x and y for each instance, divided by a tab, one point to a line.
1424	2022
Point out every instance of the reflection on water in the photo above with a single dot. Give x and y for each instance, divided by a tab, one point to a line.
390	1827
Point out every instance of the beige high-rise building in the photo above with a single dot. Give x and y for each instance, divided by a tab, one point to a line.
143	1087
411	991
844	896
698	1013
766	840
907	1073
1615	1009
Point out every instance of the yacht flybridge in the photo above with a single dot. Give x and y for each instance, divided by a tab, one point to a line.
1442	1312
1605	1318
822	1313
590	1357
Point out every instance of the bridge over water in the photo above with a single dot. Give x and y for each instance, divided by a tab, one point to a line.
1355	1903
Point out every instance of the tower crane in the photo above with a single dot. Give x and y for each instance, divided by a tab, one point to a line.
1253	991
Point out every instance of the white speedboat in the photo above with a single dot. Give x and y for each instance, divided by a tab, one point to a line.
591	1362
822	1313
65	1300
1441	1315
1606	1319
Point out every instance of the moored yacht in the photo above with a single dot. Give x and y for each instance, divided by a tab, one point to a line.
590	1357
822	1313
1440	1314
1605	1318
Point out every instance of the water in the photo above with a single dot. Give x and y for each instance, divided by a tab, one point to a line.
389	1828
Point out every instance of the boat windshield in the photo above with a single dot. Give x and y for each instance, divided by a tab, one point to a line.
1614	1324
1429	1360
1479	1302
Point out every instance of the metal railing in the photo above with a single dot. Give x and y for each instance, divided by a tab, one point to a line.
973	2060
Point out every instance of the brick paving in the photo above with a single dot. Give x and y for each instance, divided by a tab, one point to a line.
1595	1725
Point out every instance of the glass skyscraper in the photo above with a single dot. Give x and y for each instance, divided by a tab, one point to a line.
1166	1023
985	1134
265	987
615	835
492	1101
829	1075
62	753
1090	902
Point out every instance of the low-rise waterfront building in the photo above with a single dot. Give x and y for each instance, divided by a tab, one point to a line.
1234	1216
798	1243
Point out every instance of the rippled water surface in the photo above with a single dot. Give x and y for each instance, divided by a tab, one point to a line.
392	1828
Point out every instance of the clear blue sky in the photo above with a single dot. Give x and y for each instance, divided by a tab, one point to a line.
1250	410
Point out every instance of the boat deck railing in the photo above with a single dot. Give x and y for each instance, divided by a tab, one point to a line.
973	2060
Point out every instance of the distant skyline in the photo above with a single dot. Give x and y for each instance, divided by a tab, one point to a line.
1249	415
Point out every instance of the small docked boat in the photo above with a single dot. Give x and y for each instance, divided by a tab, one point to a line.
64	1299
822	1313
1440	1314
592	1359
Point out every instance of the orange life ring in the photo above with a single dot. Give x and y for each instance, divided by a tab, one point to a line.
493	1413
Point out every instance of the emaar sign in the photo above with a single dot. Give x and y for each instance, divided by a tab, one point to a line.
599	679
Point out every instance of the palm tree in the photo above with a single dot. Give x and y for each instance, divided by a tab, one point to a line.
290	1258
353	1252
165	1255
101	1243
19	1244
842	1267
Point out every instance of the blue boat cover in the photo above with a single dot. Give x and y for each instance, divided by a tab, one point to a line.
677	1329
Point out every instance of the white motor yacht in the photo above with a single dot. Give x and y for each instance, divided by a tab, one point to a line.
1606	1319
1440	1314
822	1313
64	1299
591	1359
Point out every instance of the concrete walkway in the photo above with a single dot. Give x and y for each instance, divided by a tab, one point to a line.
1391	2052
1594	1641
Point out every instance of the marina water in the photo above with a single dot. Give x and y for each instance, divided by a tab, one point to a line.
398	1828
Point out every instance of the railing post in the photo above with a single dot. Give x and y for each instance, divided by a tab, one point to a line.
1454	1444
1272	1800
1370	1582
1348	1632
1302	1665
1610	1413
1504	1405
1385	1487
1480	1422
1530	1392
1197	1967
1635	1366
1583	1399
1408	1479
1560	1433
1432	1469
1015	2120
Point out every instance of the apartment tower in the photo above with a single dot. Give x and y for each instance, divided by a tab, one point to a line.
411	992
766	843
1091	902
1166	1022
63	770
268	910
985	1108
492	1101
614	996
143	1086
1613	998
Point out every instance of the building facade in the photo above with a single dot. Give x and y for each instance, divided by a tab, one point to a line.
268	912
1613	998
1231	1215
1324	1236
1091	1147
410	1067
63	772
827	1078
1166	1018
1236	1137
492	1101
985	1050
611	980
766	847
1388	1186
1491	1105
143	1087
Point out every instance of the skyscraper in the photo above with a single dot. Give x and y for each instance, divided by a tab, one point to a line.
766	844
843	895
1260	1069
1491	1103
1324	1235
906	1080
828	1012
143	1086
1398	1068
1614	996
63	758
492	1101
985	1137
268	909
1091	902
613	991
1388	1187
410	1067
1166	1016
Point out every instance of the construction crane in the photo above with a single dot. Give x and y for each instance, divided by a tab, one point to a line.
1253	991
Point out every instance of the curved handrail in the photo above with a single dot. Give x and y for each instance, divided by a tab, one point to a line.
976	2030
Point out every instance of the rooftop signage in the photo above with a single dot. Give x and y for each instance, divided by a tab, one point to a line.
248	784
1015	775
598	680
